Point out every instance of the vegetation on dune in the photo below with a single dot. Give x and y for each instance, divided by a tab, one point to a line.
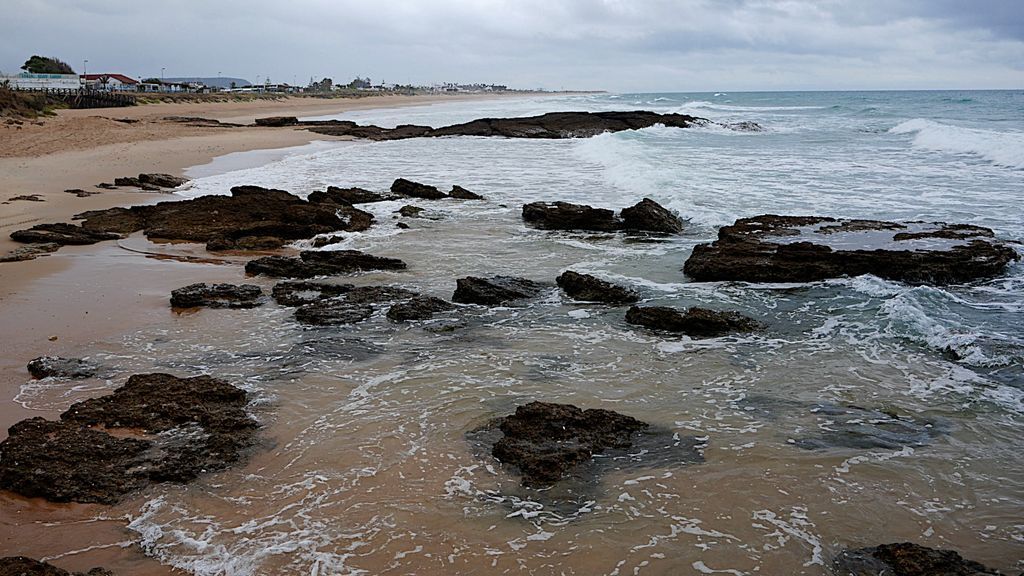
19	104
46	65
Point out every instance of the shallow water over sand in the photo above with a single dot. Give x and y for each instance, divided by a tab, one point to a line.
845	423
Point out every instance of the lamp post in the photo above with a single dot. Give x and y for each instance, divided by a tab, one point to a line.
85	67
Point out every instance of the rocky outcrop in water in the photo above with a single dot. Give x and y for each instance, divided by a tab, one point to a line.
217	296
907	559
773	248
410	189
166	429
333	312
346	196
545	441
62	235
567	216
589	288
58	367
695	322
649	216
418	308
552	125
494	291
460	193
299	293
23	566
328	263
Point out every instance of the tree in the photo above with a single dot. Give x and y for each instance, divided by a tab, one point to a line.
46	65
360	83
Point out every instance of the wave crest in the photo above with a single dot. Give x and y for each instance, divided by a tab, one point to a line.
1000	148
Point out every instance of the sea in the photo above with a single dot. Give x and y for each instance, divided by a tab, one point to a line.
865	411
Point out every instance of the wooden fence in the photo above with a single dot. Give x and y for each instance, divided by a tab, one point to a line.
83	98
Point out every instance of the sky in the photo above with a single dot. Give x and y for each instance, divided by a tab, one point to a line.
615	45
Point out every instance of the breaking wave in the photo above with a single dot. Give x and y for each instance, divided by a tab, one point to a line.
1000	148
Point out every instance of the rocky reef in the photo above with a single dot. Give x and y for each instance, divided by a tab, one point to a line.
907	559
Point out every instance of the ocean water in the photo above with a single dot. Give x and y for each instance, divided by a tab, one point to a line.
367	468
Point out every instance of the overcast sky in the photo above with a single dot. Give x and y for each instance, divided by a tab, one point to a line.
617	45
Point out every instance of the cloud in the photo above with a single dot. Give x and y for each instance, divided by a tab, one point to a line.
623	45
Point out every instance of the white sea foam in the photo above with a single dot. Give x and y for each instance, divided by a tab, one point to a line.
1000	148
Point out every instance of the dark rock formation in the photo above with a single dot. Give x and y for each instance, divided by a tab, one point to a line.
346	196
277	121
299	293
649	216
55	366
418	308
327	240
494	291
566	216
545	441
217	296
773	248
591	289
62	234
162	180
696	322
326	263
332	312
408	188
907	559
378	294
81	193
410	211
862	429
460	193
29	252
168	430
23	566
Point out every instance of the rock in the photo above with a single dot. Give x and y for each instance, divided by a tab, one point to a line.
402	225
408	188
494	291
378	294
907	559
461	193
162	180
347	196
410	211
23	566
27	197
327	241
545	441
566	216
320	263
649	216
217	296
106	186
277	121
567	124
29	252
128	181
81	193
333	312
247	242
418	308
298	293
62	234
773	248
591	289
695	323
167	429
58	367
862	429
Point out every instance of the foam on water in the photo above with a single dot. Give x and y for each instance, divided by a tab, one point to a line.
1000	148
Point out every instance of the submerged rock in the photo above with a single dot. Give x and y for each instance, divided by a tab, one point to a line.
592	289
62	234
695	322
58	367
567	124
403	187
298	293
24	566
172	430
863	429
418	308
494	291
907	559
217	296
773	248
320	263
566	216
333	312
410	211
460	193
29	252
649	216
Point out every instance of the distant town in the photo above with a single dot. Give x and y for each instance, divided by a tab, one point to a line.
45	73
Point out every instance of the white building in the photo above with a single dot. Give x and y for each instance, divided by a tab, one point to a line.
28	81
110	82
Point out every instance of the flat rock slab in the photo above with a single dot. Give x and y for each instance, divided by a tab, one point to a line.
589	288
59	367
62	235
30	252
333	312
567	216
418	308
907	559
320	263
347	196
695	322
299	293
171	430
23	566
495	291
773	248
217	296
548	442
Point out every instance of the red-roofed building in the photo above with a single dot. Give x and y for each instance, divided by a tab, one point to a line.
110	82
